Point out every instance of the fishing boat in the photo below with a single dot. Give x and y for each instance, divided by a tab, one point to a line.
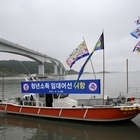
50	99
57	105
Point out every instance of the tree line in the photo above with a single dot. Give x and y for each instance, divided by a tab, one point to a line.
14	68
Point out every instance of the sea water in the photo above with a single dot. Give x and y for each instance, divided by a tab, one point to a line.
31	128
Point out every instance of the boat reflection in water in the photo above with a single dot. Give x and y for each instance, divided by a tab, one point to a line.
13	127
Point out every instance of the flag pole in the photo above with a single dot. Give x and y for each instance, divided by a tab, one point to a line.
91	62
103	73
92	68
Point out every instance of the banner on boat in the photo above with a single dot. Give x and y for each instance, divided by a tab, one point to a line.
61	86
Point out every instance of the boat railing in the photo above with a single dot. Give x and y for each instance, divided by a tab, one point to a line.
32	103
90	102
135	89
133	98
134	94
24	103
99	101
134	103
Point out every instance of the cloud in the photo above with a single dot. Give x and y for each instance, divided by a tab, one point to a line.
56	27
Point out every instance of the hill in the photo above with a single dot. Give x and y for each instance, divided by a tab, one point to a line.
16	68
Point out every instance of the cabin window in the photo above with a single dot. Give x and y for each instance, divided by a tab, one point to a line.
41	95
56	96
64	95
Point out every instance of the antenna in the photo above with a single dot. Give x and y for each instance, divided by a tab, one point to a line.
25	68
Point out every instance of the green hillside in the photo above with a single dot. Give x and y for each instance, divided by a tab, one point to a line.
16	68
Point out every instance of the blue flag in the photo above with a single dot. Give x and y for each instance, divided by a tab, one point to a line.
136	33
99	46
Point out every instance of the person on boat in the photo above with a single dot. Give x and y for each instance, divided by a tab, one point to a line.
22	101
32	100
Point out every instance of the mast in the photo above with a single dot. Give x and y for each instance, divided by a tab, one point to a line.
127	75
3	86
103	69
103	75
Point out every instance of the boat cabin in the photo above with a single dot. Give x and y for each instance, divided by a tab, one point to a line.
47	100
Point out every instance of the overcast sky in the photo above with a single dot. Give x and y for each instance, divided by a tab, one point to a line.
57	27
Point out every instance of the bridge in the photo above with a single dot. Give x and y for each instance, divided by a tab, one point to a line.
9	47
